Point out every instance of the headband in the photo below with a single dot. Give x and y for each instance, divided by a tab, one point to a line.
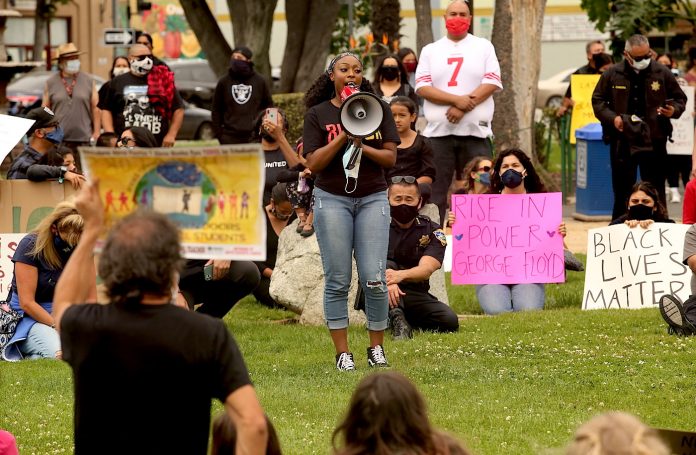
329	69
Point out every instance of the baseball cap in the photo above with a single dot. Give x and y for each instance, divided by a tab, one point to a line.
43	118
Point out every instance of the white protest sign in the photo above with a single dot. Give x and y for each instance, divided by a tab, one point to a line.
633	268
683	128
12	129
8	244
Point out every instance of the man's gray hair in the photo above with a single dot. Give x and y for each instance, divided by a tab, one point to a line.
635	41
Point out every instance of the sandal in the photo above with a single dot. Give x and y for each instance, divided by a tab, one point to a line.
307	232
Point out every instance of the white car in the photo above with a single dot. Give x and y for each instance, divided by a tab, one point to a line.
552	90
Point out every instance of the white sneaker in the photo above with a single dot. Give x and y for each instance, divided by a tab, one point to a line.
675	197
344	361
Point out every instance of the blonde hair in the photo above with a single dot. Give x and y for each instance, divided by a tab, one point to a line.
67	222
616	433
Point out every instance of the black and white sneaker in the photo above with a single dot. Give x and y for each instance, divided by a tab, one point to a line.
375	357
344	361
401	330
672	311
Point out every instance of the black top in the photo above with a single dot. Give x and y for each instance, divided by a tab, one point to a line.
615	95
275	164
408	246
321	126
144	377
416	160
623	218
236	103
47	278
404	90
127	100
586	69
271	245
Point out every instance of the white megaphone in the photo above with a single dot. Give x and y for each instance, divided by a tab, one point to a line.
361	115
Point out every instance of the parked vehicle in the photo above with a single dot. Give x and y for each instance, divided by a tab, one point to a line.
195	81
26	92
552	90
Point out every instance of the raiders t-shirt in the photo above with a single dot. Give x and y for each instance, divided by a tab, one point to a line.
127	100
322	124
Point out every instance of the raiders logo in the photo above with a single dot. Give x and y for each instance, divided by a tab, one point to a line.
241	93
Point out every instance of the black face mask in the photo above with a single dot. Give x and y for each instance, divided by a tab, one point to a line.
241	68
404	213
390	73
640	212
63	248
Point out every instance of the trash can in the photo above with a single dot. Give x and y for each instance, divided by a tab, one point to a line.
594	196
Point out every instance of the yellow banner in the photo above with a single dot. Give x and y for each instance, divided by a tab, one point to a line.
214	194
582	86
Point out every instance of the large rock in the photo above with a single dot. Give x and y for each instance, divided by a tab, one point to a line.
297	282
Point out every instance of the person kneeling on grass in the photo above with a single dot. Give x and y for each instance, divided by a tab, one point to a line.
141	361
681	317
416	250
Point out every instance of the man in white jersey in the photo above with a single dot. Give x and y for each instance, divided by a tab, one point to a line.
456	76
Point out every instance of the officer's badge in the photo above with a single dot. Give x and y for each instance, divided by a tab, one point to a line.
655	86
424	240
440	235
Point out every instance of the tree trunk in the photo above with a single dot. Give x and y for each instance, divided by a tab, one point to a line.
424	24
386	22
305	57
252	21
205	26
517	28
39	30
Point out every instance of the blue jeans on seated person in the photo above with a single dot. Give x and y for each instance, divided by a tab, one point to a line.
344	224
502	298
31	339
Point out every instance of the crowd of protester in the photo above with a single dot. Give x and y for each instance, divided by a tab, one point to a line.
370	211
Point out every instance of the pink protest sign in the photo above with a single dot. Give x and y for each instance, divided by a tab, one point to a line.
507	239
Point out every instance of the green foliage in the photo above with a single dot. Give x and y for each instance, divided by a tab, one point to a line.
628	17
340	39
293	106
48	9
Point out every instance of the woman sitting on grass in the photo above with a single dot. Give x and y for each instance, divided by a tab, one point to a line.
38	263
643	208
388	415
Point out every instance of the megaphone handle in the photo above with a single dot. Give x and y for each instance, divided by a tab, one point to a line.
353	157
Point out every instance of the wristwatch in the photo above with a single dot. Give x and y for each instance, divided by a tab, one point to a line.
63	170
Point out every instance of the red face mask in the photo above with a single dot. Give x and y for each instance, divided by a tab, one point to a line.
457	26
410	66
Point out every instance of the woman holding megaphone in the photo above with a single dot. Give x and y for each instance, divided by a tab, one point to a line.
349	138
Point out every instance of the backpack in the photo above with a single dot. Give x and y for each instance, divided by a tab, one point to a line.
9	319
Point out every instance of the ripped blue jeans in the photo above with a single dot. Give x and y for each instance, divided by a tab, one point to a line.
343	225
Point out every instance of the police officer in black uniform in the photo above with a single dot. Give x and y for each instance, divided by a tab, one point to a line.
416	250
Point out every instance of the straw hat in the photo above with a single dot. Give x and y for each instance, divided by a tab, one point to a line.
66	50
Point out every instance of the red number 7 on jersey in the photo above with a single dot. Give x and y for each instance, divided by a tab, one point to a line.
458	61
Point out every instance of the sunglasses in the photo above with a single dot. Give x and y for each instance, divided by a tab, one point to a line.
485	169
143	57
641	58
403	178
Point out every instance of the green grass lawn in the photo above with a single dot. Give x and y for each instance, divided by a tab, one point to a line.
517	383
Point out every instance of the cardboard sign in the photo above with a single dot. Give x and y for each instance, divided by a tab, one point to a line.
507	239
214	194
680	442
582	86
683	128
12	129
8	245
23	204
633	268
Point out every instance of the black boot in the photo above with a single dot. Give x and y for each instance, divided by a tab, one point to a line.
400	328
